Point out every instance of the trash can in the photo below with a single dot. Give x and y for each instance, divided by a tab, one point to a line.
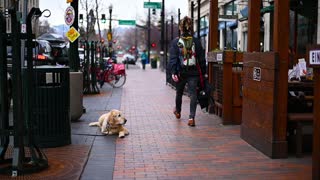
153	63
50	114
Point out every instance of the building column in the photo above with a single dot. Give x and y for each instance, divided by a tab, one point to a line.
267	32
281	45
318	28
254	26
213	25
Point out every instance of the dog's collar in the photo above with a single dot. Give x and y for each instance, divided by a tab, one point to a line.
113	127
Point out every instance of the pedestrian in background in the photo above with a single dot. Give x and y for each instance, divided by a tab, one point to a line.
143	59
187	61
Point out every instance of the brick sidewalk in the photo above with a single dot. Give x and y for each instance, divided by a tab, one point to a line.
161	147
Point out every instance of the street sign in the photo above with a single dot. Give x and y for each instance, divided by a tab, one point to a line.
69	16
127	22
152	5
72	34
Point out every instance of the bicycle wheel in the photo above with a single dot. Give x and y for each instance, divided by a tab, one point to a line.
118	80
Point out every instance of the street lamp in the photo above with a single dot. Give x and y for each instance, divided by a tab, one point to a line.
110	32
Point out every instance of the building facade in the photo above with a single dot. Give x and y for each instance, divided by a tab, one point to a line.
23	7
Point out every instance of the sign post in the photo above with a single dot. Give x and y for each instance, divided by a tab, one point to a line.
314	62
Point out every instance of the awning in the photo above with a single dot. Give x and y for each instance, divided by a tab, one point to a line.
230	24
244	14
204	32
244	11
267	9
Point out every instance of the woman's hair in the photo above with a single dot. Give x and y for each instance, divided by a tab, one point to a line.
186	26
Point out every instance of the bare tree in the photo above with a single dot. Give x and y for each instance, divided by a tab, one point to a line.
86	6
89	6
42	28
98	22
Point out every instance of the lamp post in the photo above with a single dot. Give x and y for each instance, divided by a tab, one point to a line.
110	31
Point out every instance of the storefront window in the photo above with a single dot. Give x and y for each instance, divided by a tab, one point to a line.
303	25
230	8
306	33
204	31
230	28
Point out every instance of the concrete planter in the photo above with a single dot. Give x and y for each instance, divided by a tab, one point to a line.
76	95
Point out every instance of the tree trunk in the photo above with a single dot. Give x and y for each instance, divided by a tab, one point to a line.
97	13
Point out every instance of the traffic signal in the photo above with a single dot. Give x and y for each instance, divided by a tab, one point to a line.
154	11
103	18
81	18
159	25
153	45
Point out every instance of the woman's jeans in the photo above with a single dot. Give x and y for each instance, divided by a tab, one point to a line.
144	63
192	82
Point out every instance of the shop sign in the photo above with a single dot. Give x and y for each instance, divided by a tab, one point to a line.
219	57
314	57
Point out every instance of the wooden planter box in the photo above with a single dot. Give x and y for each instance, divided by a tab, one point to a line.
225	76
260	81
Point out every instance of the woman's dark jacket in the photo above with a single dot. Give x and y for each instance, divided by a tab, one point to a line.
174	65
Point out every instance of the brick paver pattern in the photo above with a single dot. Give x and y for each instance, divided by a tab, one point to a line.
162	147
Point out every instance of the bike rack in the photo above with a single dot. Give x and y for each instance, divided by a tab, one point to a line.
26	156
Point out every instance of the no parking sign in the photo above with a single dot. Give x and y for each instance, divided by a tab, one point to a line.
69	16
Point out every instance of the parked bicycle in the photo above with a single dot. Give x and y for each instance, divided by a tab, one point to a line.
113	74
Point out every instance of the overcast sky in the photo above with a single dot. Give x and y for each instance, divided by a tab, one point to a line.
122	9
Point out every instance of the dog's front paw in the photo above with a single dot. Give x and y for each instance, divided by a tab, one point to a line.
121	135
105	133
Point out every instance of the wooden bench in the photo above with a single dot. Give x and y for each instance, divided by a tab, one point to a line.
300	120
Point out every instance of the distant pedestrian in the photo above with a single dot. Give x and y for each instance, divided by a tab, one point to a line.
144	59
187	60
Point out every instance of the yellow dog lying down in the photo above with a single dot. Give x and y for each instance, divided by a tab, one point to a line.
112	123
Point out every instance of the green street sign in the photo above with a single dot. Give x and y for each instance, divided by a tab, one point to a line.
127	22
152	5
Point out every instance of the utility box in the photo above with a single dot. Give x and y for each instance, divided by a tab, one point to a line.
153	63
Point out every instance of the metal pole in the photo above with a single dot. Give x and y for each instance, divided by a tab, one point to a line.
4	115
162	34
171	27
110	30
198	22
179	14
74	53
149	34
192	8
166	53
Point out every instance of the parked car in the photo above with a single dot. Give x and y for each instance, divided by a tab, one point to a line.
59	48
41	50
43	53
128	58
